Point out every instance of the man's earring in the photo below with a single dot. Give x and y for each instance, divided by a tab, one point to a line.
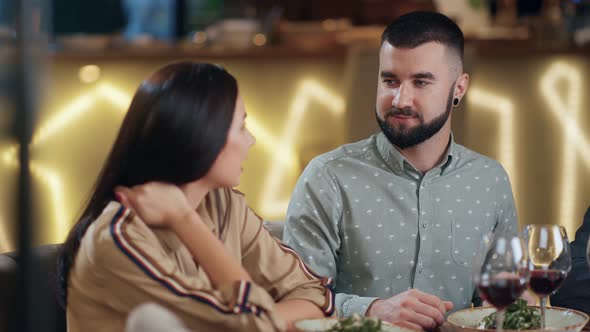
456	102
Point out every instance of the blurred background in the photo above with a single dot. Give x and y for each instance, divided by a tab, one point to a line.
307	70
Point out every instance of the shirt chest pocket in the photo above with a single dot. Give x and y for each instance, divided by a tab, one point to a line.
465	236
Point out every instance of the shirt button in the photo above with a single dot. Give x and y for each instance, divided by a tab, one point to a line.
420	269
424	226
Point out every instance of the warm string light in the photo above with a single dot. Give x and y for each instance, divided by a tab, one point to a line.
310	90
80	106
52	182
282	149
566	111
114	95
504	108
54	185
63	118
8	156
5	243
285	157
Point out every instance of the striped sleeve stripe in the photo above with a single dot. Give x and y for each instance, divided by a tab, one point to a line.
326	282
329	305
243	293
310	274
118	233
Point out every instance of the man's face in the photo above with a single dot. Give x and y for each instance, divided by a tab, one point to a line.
415	92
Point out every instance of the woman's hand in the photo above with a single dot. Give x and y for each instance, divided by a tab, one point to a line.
158	204
164	205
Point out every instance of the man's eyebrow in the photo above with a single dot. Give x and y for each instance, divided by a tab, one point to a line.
426	74
387	74
420	75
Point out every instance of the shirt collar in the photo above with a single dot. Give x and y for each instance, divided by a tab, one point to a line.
399	164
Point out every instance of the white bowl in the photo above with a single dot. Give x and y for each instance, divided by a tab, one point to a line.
556	319
321	325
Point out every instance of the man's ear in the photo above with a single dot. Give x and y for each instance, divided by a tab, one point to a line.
461	85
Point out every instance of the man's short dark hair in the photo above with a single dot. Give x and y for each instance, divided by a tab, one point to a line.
417	28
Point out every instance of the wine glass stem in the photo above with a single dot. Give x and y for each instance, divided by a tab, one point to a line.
543	301
500	320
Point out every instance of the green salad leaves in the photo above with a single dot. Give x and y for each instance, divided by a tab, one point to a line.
518	316
356	323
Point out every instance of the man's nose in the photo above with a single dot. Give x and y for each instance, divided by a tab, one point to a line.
402	97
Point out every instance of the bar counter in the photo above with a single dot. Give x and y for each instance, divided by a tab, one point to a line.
526	107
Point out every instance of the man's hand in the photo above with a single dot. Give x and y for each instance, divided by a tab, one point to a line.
413	309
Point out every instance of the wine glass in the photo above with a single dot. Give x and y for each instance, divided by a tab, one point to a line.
550	260
501	272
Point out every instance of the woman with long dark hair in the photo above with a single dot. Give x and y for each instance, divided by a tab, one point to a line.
163	225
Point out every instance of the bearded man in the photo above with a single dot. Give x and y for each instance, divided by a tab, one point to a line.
396	218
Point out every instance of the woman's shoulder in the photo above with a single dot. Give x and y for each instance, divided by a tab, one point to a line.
226	198
226	204
114	227
101	227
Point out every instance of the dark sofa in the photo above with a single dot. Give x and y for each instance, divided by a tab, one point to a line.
53	318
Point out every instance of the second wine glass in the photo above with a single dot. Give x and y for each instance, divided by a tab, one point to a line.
501	275
549	260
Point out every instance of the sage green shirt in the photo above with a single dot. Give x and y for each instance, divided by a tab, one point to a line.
363	215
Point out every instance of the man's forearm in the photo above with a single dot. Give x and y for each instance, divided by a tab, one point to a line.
348	304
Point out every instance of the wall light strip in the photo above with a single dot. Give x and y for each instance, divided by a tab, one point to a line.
310	90
567	111
505	110
54	185
286	158
8	156
69	113
60	121
5	243
114	95
283	150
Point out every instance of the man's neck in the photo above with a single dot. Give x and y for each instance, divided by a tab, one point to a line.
428	154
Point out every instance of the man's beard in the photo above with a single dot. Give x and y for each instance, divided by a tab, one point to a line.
403	137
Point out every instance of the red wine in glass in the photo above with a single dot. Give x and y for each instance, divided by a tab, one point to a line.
545	282
501	292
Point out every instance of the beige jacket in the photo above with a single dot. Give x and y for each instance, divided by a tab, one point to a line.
123	263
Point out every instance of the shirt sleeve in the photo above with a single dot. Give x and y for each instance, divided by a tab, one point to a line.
279	270
506	219
312	229
135	265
